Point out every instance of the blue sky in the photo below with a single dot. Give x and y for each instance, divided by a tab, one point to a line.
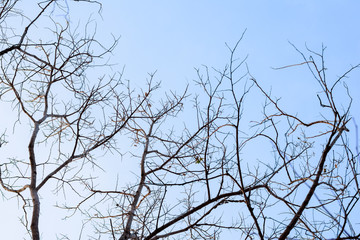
165	34
173	37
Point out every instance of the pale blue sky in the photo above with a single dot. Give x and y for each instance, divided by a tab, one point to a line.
166	35
173	37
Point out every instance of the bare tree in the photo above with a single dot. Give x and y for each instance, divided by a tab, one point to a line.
46	85
189	178
194	178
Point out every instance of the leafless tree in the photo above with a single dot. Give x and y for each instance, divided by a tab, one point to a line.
189	179
195	177
46	85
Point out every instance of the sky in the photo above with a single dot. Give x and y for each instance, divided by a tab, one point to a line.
174	37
